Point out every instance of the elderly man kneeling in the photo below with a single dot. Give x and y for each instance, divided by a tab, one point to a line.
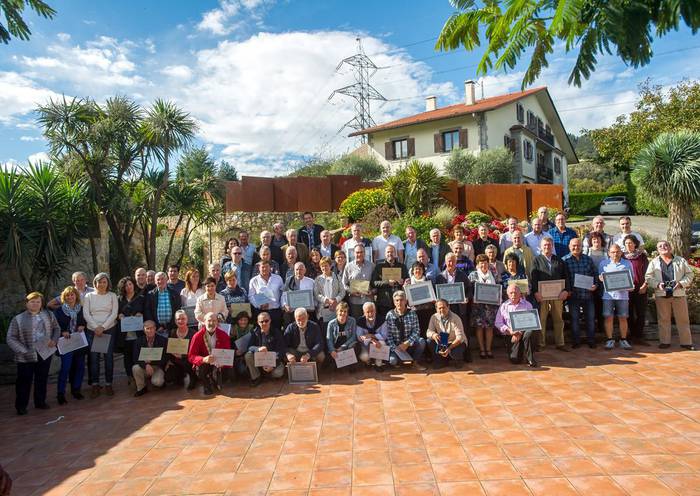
521	341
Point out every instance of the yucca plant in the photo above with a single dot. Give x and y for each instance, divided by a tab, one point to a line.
668	170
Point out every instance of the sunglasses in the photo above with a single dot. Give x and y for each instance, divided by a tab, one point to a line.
238	253
263	321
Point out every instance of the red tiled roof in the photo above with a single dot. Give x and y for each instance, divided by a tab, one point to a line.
452	111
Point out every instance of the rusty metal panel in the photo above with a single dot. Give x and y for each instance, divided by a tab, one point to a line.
342	187
451	194
497	200
234	200
286	194
549	195
258	194
313	194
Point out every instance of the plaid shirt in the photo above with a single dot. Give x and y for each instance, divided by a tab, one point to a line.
561	240
163	310
410	325
584	266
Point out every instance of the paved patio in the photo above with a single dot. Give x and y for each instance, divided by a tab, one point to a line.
588	422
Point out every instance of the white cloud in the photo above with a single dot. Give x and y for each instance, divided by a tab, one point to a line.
38	157
264	100
20	95
64	37
222	20
177	71
30	138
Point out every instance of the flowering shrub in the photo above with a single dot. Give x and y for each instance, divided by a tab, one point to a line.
471	221
358	204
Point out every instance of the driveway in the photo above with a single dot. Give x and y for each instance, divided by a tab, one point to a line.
655	226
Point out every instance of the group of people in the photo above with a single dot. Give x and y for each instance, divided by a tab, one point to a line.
358	302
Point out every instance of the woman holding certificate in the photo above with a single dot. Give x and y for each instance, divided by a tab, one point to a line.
513	274
70	318
638	298
423	310
483	315
178	367
131	304
29	334
101	309
328	293
341	333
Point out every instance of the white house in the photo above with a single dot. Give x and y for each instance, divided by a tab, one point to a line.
526	122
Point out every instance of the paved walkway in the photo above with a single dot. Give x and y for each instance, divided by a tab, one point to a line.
655	226
588	422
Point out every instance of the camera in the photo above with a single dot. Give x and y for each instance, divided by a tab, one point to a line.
668	288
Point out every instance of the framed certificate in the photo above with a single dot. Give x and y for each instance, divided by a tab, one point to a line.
191	321
359	286
100	344
45	351
178	346
419	293
452	293
302	298
619	280
150	354
265	359
345	358
260	299
525	320
523	285
243	342
237	308
381	353
391	274
404	356
76	341
302	373
582	281
549	290
129	324
224	356
225	327
490	294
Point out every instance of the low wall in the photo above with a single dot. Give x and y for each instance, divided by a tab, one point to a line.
505	200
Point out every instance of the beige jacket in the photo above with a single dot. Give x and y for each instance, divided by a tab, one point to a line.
454	327
682	272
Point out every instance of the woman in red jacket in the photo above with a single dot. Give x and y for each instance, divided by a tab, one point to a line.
201	354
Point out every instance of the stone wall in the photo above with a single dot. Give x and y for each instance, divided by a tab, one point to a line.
13	291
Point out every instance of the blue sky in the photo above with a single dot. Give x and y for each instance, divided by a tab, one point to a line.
257	74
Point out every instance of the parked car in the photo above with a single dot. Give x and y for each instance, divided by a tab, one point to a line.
615	205
695	234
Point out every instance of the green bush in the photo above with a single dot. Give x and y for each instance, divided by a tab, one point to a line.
361	202
586	203
370	222
475	218
423	224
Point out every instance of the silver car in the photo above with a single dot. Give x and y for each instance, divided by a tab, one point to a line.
614	205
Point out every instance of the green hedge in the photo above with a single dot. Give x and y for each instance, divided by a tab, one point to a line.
361	202
586	203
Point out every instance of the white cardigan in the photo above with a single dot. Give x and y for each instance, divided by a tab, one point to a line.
100	310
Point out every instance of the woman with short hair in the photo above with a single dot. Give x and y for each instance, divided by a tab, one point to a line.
638	297
483	316
27	329
70	319
341	334
496	266
513	272
458	236
131	304
328	293
178	366
233	293
340	261
100	310
210	301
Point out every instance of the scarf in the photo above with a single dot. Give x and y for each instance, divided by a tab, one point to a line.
633	255
73	314
487	278
414	280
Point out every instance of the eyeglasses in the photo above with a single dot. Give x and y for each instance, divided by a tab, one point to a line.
263	321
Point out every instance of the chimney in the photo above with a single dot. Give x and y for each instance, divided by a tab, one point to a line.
430	103
469	92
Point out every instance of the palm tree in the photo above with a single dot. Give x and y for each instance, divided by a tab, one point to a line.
167	129
668	170
16	26
425	183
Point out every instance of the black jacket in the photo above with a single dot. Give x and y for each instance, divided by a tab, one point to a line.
158	342
273	341
385	291
334	248
444	250
152	305
542	272
303	236
314	339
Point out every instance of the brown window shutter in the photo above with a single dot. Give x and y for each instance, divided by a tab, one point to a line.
389	150
437	143
463	138
411	147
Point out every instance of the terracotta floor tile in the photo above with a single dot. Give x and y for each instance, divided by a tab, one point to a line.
494	469
412	474
577	465
470	488
481	452
166	486
513	487
662	464
180	467
130	487
373	490
417	490
403	456
331	478
685	484
560	448
551	486
337	460
648	485
371	458
618	464
594	485
522	450
453	472
250	484
101	487
536	467
371	476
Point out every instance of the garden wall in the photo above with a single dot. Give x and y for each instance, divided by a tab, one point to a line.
504	200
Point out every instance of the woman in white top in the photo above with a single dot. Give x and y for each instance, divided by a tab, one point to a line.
210	301
100	311
192	290
328	292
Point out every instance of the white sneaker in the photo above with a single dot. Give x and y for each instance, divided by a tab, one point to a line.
625	345
609	344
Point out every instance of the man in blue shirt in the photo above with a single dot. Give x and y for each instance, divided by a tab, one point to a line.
561	235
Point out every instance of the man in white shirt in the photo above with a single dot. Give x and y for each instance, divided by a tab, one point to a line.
297	283
357	239
626	229
380	243
506	240
327	248
597	225
533	238
270	286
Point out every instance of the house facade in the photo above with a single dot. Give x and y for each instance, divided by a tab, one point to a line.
526	122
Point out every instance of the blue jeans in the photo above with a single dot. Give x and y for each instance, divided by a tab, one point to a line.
588	307
95	360
77	357
415	350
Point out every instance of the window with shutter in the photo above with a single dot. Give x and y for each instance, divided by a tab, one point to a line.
411	147
450	140
463	138
557	165
520	113
437	143
400	148
389	150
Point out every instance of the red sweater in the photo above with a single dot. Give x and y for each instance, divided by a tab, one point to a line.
198	348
